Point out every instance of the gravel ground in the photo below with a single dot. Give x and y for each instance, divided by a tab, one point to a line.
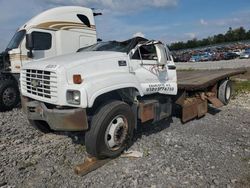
213	151
235	63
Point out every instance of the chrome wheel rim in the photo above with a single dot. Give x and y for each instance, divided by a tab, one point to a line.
116	132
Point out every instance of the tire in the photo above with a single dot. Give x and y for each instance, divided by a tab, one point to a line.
40	125
9	95
111	130
225	91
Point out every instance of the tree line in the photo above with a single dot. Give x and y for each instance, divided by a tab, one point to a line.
232	35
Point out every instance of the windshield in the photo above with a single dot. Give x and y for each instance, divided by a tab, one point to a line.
16	40
114	46
106	46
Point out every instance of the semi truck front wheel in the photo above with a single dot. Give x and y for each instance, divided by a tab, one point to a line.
111	130
9	95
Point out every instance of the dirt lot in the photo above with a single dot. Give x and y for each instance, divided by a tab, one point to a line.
213	151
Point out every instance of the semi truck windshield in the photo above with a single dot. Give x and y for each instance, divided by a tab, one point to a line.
16	40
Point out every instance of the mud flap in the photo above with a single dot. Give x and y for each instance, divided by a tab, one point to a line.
215	101
193	108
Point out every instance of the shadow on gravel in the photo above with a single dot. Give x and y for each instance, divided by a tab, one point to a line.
151	128
76	137
143	129
18	107
213	111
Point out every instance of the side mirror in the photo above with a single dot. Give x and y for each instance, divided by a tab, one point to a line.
161	54
29	41
97	14
29	45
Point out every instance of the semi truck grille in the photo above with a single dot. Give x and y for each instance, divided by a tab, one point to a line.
40	83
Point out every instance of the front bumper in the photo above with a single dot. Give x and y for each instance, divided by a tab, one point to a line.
57	119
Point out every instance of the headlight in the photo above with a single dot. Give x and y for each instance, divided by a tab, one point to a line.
74	97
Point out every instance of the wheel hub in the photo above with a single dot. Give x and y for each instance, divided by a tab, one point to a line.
116	132
9	96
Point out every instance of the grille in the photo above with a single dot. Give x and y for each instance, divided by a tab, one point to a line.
40	83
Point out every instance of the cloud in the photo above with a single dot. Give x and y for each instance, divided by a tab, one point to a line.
226	22
117	6
230	22
191	35
14	11
13	14
203	22
110	27
139	34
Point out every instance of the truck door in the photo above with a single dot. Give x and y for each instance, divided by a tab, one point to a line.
44	46
149	63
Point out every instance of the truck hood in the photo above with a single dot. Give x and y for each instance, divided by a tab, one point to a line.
72	60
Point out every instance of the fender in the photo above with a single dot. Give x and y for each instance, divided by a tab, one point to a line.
102	84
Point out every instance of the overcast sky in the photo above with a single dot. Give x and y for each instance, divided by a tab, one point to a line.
166	20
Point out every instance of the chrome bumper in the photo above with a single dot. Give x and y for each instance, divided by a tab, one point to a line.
57	119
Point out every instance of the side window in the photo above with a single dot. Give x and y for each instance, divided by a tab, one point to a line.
84	19
42	41
148	52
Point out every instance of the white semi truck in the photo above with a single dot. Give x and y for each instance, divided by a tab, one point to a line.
105	89
57	31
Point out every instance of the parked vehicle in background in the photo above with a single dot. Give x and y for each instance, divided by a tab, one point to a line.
201	57
205	56
195	58
216	52
246	54
238	52
230	55
57	31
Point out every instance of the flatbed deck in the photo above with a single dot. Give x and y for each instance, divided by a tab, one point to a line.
200	79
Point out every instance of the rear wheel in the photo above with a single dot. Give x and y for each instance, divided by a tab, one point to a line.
225	91
9	95
111	130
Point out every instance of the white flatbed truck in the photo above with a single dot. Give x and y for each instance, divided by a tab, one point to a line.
107	88
54	32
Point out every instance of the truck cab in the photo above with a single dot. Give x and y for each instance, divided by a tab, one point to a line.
57	31
104	89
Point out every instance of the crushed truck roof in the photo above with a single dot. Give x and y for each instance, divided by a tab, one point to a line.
123	46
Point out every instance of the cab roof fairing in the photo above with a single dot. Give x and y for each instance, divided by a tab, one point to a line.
67	14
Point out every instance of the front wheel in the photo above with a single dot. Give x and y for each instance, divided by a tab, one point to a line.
9	95
111	130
